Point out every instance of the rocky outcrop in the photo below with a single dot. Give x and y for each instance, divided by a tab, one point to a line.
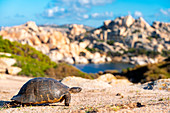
53	43
136	33
128	21
76	30
76	45
126	33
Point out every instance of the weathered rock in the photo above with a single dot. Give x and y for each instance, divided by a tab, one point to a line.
140	22
84	44
7	62
99	60
6	54
43	37
81	60
35	40
77	29
108	59
107	22
13	70
118	21
26	41
128	20
56	56
161	84
120	82
106	78
103	46
68	60
32	26
2	69
43	48
159	48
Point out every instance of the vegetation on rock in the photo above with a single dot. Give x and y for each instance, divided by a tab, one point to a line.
35	63
148	72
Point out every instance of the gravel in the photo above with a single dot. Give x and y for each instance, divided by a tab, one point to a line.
117	98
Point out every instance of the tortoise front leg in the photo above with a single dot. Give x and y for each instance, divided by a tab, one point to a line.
67	99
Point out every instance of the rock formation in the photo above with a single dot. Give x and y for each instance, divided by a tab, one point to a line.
53	43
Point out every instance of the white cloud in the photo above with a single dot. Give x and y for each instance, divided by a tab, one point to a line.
102	15
85	16
94	15
164	12
53	11
50	13
137	14
75	9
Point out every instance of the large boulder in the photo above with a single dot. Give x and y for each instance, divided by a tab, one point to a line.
128	21
44	48
120	82
7	62
161	84
32	26
43	37
106	23
106	78
84	44
56	56
35	40
68	60
98	60
77	29
6	54
13	70
81	60
140	22
158	48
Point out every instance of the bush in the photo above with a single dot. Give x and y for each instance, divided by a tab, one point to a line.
64	70
148	72
136	31
111	42
92	50
141	51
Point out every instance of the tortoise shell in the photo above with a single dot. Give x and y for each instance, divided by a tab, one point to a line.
43	90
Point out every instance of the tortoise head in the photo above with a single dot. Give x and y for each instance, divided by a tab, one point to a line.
75	90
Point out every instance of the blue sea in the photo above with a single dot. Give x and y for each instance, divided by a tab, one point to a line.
95	68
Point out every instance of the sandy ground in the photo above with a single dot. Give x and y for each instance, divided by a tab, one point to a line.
119	99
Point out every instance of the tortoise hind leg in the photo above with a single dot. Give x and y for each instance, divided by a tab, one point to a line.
67	99
11	104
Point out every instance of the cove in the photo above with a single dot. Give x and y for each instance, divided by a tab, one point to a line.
95	68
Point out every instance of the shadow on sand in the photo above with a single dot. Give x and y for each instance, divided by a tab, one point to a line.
4	103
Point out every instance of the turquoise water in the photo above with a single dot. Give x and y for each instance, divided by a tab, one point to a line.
95	68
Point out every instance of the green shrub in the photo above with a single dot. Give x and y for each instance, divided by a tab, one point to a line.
92	50
136	31
148	72
36	64
64	70
111	42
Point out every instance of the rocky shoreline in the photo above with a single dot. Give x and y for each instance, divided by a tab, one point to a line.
124	39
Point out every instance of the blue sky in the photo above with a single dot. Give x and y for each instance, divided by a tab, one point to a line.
87	12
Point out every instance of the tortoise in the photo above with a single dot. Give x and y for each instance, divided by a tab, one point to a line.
44	90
